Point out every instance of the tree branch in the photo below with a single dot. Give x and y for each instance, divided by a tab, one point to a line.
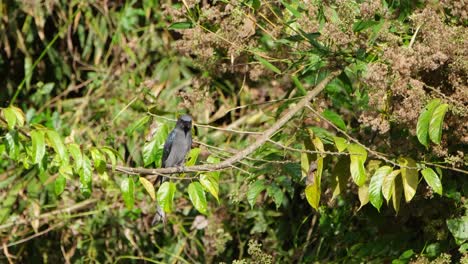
241	154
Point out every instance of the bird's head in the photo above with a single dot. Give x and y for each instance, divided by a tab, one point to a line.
185	122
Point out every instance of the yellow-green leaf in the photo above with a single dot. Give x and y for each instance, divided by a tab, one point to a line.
409	177
422	127
363	194
38	145
358	156
375	186
165	196
432	180
197	196
388	184
437	120
340	176
210	184
313	190
20	117
75	151
60	183
56	142
127	187
10	117
340	143
396	194
268	65
192	156
148	187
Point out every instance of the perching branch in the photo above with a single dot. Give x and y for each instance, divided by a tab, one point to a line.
243	153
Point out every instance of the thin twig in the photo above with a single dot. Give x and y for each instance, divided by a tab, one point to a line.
33	236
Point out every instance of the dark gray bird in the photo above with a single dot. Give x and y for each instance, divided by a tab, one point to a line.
176	147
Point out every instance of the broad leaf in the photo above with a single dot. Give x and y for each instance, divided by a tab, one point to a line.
422	128
99	160
20	117
358	156
375	186
192	156
276	193
313	190
437	120
409	177
56	142
335	119
340	176
75	152
148	187
211	184
363	194
388	184
10	117
85	173
254	190
38	146
60	183
432	180
165	195
152	150
127	188
340	143
397	193
459	227
112	154
197	196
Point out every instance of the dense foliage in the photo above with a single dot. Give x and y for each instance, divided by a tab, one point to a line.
372	170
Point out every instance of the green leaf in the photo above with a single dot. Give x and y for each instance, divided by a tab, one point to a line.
291	9
56	142
300	87
12	144
213	160
334	118
388	184
340	176
99	160
363	194
137	124
211	184
313	190
276	193
85	173
358	156
268	65
10	117
75	152
409	177
432	180
192	156
459	227
340	143
437	120
152	150
197	196
148	187
422	127
38	145
375	186
397	193
111	153
254	190
20	117
127	188
165	196
181	25
60	183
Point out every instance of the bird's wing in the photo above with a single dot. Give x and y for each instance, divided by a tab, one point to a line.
168	147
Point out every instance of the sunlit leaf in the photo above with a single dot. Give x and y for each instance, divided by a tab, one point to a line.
409	177
313	190
437	120
152	150
254	190
127	188
56	142
38	145
459	227
363	193
60	183
375	186
75	152
340	143
137	124
192	156
165	196
211	184
432	180
291	9
148	187
334	118
20	117
12	144
85	173
213	160
197	196
99	160
388	184
10	117
111	154
422	128
358	156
